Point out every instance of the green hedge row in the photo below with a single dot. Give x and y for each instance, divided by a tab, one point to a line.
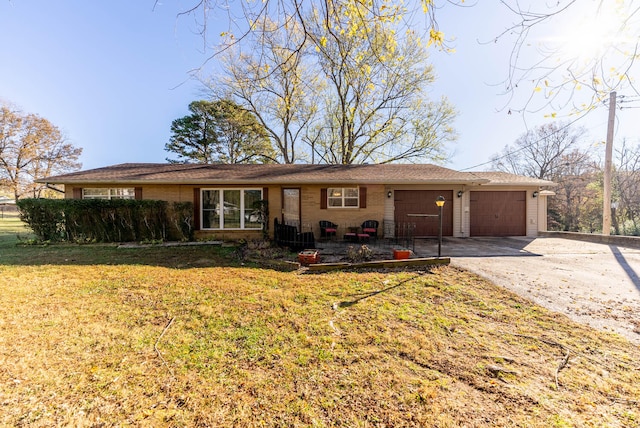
115	220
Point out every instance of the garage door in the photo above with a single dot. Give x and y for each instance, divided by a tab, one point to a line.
422	202
498	213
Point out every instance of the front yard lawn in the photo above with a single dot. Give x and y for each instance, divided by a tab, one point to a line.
187	336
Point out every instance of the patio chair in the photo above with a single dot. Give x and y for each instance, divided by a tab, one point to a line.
370	227
328	229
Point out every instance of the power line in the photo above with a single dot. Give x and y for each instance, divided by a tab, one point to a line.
634	99
529	145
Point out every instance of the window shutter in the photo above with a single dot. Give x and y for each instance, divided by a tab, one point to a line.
363	197
265	193
138	193
323	198
196	208
77	193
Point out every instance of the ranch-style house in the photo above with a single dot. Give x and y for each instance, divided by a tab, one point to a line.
398	196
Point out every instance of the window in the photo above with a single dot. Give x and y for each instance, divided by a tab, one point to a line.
343	197
231	209
106	193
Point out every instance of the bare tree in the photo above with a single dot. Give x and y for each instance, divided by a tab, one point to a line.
540	152
376	107
338	86
578	200
32	148
273	82
574	71
627	188
242	25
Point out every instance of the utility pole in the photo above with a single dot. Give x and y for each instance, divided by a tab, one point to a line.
608	153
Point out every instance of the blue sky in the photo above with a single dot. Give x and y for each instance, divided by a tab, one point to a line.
113	75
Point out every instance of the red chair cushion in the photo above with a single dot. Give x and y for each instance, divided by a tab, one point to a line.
330	229
369	230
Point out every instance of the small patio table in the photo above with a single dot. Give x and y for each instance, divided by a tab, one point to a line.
352	234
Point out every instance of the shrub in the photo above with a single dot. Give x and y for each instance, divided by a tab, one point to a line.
115	220
363	253
44	216
180	218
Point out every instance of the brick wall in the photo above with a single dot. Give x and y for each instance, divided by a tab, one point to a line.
311	214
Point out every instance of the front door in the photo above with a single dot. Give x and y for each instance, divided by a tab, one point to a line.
291	207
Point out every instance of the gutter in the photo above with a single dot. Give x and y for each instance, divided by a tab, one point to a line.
51	187
265	182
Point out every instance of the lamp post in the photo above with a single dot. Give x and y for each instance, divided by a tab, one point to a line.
440	204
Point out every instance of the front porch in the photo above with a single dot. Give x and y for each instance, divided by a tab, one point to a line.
340	250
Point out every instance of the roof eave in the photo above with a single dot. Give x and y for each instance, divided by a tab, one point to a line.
263	182
522	184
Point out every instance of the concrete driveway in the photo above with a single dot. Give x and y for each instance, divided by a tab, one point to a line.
595	284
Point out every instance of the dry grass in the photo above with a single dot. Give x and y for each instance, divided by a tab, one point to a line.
100	336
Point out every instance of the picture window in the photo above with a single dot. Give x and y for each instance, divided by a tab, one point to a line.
231	209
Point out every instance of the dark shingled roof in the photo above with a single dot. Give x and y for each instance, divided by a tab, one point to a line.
150	173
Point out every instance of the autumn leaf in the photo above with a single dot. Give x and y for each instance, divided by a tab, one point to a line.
435	37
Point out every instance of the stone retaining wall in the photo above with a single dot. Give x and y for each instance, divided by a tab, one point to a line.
624	241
